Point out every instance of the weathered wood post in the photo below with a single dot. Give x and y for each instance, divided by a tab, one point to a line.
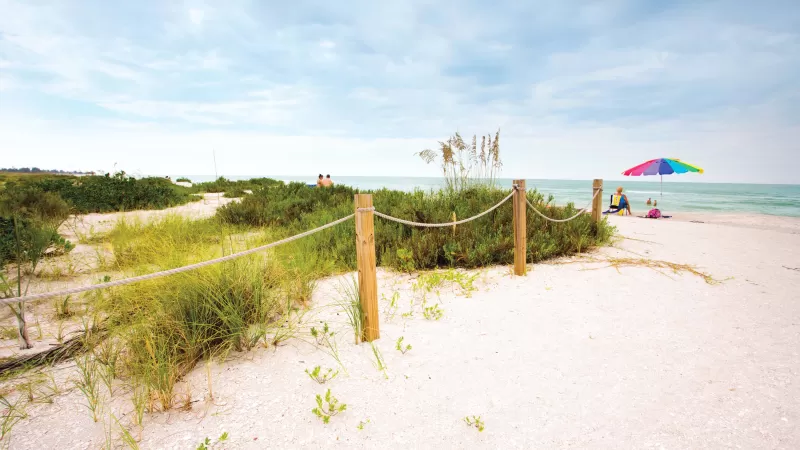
597	203
520	229
367	272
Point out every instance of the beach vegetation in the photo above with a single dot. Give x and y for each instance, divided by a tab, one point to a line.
321	377
207	444
401	347
222	184
475	422
463	165
350	303
88	384
432	312
379	362
12	413
328	407
484	242
390	310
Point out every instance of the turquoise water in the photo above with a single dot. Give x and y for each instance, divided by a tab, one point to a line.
772	199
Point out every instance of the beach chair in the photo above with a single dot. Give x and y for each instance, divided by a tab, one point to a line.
618	205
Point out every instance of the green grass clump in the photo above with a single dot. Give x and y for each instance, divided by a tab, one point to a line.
168	325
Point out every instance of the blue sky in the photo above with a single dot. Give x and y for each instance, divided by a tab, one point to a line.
579	89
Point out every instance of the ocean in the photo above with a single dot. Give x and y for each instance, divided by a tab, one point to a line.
771	199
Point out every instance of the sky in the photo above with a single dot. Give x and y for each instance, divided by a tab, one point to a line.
578	89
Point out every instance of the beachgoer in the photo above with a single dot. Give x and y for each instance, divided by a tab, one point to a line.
649	202
655	203
320	181
327	182
625	197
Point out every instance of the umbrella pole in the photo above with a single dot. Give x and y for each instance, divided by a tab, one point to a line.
662	185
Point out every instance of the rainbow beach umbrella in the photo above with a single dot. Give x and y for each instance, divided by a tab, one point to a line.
661	166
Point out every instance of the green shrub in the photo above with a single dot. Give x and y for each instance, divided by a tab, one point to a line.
109	193
183	180
223	184
486	241
235	192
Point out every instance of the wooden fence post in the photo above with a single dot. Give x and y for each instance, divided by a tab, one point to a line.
367	273
520	229
597	203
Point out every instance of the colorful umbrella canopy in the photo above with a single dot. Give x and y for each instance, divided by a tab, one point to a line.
661	166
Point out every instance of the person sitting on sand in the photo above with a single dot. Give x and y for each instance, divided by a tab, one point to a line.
327	182
619	203
320	180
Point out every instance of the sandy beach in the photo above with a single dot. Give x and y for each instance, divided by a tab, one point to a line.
576	354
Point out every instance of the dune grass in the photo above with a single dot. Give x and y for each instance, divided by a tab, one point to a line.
158	330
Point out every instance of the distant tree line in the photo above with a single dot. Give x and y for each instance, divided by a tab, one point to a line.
38	170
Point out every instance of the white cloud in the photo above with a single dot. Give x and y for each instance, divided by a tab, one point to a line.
196	16
567	82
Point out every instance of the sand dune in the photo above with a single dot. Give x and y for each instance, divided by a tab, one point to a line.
577	354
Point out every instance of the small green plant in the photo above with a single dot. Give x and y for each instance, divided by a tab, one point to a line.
433	312
88	385
208	445
140	398
362	423
125	435
62	308
405	260
321	335
475	421
328	407
351	304
12	413
400	347
327	338
391	309
321	377
107	355
379	363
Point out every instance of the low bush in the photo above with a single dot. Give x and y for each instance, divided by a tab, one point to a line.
486	241
183	180
235	193
109	193
223	184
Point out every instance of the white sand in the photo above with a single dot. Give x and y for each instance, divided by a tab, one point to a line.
576	355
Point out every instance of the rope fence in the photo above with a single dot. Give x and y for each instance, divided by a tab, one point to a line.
436	225
177	270
596	193
365	249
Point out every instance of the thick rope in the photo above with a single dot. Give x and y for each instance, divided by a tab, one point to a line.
436	225
596	192
177	270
